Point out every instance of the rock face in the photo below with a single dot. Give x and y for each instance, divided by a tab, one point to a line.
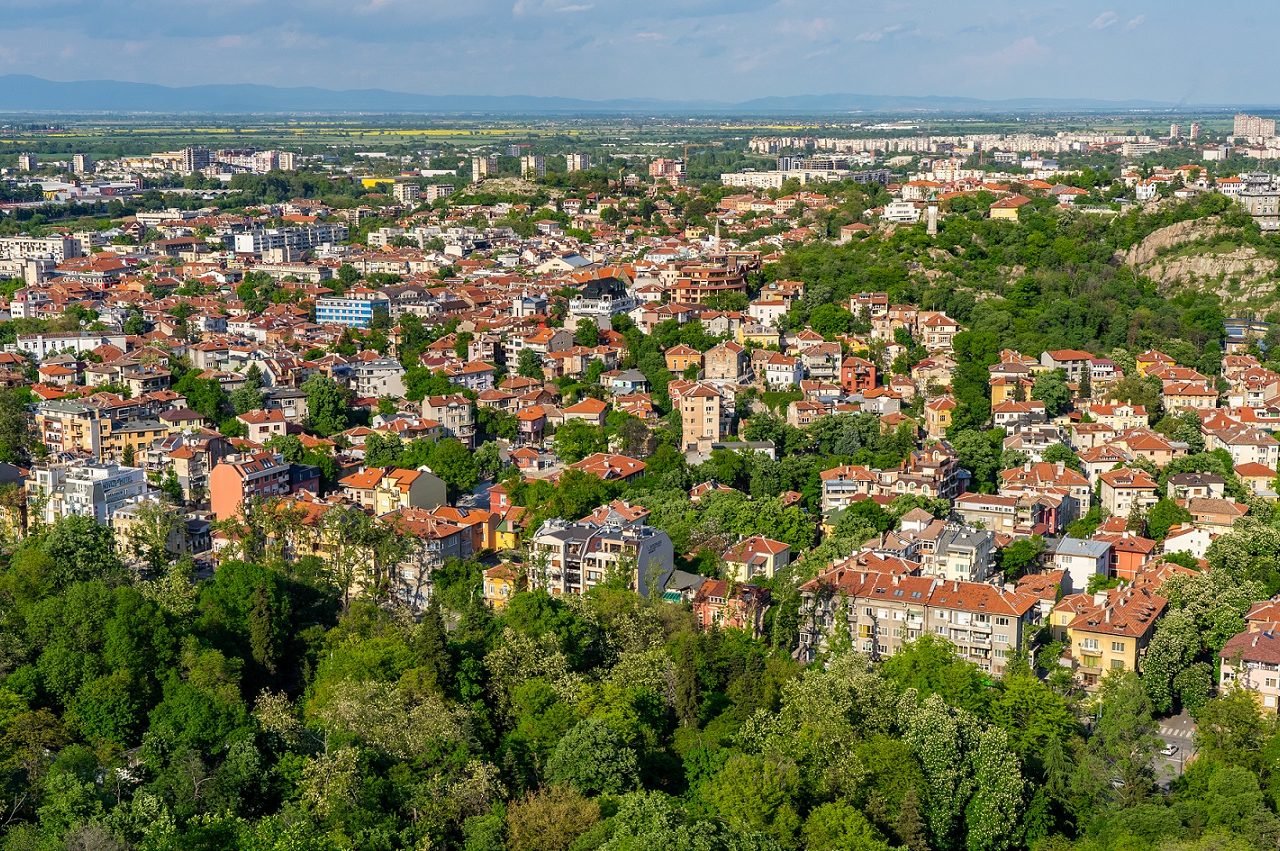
1170	237
1237	273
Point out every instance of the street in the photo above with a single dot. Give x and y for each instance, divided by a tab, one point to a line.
1180	732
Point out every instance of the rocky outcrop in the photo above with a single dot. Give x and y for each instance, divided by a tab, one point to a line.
1235	272
1170	237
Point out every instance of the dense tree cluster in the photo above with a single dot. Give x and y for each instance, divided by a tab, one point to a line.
254	710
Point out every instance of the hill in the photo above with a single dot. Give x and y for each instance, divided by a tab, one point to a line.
25	93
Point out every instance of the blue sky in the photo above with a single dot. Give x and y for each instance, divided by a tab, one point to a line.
678	49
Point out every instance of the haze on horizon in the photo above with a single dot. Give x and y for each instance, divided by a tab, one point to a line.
723	50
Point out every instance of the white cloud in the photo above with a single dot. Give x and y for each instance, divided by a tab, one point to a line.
1024	51
1134	23
881	34
1104	20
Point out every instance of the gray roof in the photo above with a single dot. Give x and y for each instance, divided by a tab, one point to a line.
1081	547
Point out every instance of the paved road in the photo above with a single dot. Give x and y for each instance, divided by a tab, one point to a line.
1179	731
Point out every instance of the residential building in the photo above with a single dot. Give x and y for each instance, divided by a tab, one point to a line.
571	558
356	310
1081	559
82	488
374	379
755	557
881	612
533	166
482	167
1251	661
702	418
500	583
238	479
724	605
1127	490
1112	632
387	489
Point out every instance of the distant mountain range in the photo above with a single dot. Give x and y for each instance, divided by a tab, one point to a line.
23	93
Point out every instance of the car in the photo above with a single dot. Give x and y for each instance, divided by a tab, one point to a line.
1169	750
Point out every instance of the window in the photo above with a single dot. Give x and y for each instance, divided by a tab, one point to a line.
1002	621
1089	643
1117	647
1271	682
1117	664
1001	638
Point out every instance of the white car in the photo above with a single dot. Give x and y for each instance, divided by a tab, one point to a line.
1169	750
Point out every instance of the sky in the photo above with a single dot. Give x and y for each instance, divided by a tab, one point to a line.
725	50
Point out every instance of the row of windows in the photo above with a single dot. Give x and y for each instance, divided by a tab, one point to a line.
1092	644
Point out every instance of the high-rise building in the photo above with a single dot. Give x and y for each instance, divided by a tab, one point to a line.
195	158
28	162
576	162
1175	131
533	165
81	164
436	191
406	191
1253	126
286	160
1195	131
672	171
482	167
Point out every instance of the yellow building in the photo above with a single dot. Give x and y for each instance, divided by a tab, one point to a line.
1113	634
1007	208
499	584
937	416
1150	359
135	435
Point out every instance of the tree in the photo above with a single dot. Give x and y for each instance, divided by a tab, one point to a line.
1017	557
979	453
328	405
529	365
1051	388
593	759
15	428
154	524
586	333
203	395
757	794
348	275
576	439
838	826
80	549
550	820
1060	453
830	320
1163	516
456	466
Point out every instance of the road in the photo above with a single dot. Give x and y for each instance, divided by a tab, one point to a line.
1179	731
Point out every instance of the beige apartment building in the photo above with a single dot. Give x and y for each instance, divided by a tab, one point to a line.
882	611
